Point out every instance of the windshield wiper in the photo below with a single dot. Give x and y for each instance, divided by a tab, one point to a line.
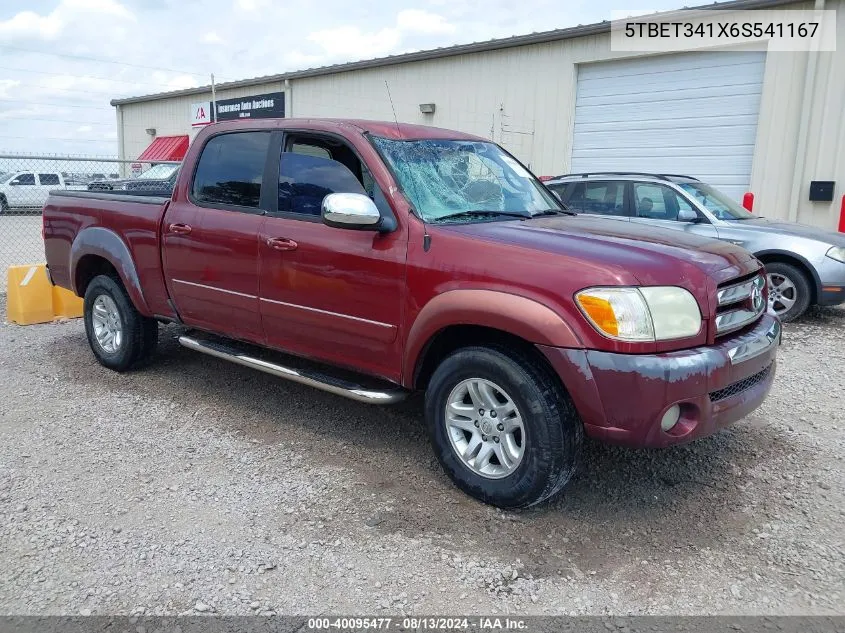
481	214
554	212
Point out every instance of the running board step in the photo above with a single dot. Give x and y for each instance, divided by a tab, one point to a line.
388	393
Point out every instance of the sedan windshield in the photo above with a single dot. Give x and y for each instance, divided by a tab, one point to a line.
720	205
464	181
159	172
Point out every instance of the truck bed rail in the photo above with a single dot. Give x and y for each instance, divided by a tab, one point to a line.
100	195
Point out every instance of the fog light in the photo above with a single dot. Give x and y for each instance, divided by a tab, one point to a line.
670	418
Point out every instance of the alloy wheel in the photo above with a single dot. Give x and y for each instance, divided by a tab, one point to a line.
108	326
782	294
485	428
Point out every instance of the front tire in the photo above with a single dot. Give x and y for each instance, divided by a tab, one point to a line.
502	426
789	291
118	334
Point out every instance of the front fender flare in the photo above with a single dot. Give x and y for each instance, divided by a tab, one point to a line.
107	244
520	316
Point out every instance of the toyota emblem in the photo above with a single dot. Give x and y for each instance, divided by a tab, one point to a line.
757	298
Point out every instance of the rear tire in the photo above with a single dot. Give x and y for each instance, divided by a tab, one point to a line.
118	334
789	291
542	454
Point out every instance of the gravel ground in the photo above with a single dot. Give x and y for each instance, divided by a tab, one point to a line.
198	486
20	241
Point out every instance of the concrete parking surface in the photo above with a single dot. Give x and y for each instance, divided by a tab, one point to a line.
20	241
198	486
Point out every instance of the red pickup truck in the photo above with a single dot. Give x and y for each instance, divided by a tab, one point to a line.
373	260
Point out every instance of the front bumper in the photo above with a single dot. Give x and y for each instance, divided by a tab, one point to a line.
831	295
832	282
621	398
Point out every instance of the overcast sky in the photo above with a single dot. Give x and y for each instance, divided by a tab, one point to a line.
61	61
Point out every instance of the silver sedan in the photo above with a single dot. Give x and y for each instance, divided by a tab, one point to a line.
805	265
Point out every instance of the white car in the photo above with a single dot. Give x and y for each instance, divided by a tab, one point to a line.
28	188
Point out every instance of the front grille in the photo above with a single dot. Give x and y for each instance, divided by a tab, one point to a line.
740	302
740	386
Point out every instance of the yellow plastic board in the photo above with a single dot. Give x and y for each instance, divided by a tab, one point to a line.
66	304
31	298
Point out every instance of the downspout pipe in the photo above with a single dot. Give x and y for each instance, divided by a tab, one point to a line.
121	147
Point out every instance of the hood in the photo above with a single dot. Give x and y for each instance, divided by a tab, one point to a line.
790	228
652	255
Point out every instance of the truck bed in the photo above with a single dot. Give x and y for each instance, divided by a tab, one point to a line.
135	220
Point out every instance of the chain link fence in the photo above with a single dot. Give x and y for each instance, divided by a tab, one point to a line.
25	182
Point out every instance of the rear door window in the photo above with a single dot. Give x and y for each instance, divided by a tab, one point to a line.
230	170
48	179
599	197
25	179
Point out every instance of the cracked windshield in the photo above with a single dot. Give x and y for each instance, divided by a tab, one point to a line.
448	180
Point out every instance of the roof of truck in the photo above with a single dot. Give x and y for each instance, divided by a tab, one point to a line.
387	129
404	131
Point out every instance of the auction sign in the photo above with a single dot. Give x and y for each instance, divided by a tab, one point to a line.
200	113
266	106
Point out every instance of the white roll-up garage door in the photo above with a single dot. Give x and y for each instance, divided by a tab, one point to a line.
691	113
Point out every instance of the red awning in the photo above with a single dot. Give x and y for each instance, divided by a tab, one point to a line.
165	148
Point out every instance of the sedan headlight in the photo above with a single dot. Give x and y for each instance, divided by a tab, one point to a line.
837	253
651	313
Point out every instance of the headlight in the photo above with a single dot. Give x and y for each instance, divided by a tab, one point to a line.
837	253
652	313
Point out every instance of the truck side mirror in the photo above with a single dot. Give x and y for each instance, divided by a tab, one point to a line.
350	211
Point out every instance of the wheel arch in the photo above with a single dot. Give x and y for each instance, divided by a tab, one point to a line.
97	250
793	259
460	318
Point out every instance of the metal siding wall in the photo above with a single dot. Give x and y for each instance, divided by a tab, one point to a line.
533	88
505	95
778	128
523	98
825	158
172	116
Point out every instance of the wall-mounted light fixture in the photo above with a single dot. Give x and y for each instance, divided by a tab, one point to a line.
427	108
151	131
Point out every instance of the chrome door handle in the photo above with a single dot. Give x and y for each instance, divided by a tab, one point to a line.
281	244
181	229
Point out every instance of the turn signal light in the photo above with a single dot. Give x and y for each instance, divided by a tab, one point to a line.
601	313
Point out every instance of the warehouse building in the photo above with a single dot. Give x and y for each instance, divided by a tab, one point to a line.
562	101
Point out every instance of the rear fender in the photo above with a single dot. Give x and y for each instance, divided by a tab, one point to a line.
107	244
528	319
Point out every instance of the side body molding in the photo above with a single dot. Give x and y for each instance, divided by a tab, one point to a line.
520	316
107	244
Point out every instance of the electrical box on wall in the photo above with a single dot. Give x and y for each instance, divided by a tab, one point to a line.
821	190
